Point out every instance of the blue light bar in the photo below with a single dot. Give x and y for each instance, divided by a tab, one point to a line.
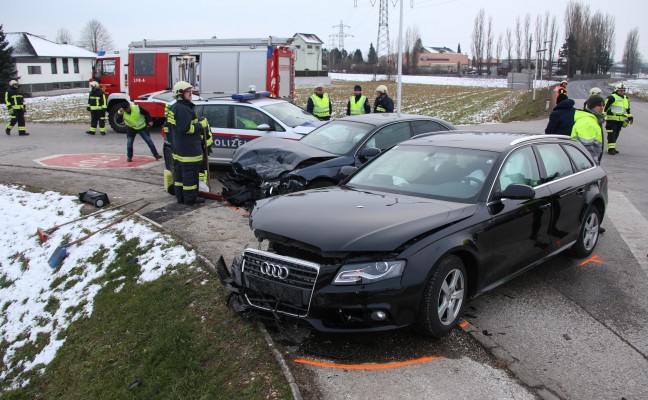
249	96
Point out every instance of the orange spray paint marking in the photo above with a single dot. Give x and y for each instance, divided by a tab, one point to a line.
463	323
595	258
367	367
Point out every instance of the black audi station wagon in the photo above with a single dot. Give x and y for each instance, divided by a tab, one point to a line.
408	238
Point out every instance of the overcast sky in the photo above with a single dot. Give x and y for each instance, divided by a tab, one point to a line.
440	22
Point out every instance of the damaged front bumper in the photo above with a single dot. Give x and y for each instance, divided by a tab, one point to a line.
312	302
245	188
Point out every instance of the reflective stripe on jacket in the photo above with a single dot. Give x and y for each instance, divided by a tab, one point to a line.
617	110
97	100
14	99
321	107
186	132
135	119
357	108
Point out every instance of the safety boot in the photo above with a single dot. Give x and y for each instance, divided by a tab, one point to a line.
8	131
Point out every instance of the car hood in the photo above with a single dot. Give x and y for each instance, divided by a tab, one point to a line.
270	156
341	219
307	127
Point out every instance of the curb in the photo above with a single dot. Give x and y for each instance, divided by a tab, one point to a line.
512	364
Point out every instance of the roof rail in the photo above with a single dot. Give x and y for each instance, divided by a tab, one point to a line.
211	42
538	136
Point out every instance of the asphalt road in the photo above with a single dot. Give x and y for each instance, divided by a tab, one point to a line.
564	330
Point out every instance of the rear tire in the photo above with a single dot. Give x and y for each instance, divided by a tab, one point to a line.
444	298
588	234
112	118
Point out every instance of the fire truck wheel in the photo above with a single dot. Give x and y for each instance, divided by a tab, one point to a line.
112	118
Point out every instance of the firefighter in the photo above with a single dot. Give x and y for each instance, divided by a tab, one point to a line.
593	92
186	144
383	103
561	92
319	103
97	108
587	129
617	116
16	107
137	121
358	104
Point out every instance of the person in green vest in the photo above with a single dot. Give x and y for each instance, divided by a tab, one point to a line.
319	103
587	128
137	121
358	104
617	116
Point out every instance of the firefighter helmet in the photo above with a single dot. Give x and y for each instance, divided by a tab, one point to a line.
94	84
13	82
595	91
319	85
563	82
619	86
180	87
382	89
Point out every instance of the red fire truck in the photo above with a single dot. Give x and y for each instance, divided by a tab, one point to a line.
213	66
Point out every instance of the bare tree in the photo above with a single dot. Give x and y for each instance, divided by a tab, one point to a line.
508	40
63	36
95	37
527	40
553	41
518	43
489	44
478	40
498	48
631	55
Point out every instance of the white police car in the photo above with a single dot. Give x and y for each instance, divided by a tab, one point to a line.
236	119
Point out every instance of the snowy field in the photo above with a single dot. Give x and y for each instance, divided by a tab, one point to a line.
638	87
39	302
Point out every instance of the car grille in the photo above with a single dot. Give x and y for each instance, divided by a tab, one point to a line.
278	283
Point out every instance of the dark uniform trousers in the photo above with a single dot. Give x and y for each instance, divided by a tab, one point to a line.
98	117
185	177
613	129
19	117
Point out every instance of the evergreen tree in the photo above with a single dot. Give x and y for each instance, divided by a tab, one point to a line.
357	57
7	64
372	57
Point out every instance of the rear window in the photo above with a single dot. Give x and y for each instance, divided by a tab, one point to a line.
581	162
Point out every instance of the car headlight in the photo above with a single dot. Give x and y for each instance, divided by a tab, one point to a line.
369	272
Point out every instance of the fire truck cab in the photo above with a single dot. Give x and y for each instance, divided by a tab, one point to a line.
212	66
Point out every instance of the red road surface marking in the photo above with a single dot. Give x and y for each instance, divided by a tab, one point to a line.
94	161
595	258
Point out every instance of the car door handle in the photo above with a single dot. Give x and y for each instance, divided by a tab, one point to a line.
545	206
580	192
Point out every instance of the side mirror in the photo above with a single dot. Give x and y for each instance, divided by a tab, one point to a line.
368	153
347	171
263	127
516	191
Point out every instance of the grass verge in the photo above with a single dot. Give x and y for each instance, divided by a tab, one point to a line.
172	338
528	109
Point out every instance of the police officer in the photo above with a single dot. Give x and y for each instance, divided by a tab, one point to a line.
617	116
383	103
319	103
187	144
561	92
358	104
16	107
97	107
137	121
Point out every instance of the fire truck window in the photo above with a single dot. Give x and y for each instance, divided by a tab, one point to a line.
144	64
216	115
108	68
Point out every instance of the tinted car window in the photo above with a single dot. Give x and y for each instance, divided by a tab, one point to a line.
520	167
216	115
289	114
390	135
427	126
581	162
555	161
338	137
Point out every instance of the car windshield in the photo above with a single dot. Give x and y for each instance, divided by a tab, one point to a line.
445	173
289	114
337	137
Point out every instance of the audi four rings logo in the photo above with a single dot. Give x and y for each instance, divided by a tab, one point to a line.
274	270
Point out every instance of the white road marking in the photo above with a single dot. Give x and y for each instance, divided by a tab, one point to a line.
631	225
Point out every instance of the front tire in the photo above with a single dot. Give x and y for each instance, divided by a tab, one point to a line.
112	118
588	235
444	298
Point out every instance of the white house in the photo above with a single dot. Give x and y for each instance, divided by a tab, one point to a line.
44	65
308	54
